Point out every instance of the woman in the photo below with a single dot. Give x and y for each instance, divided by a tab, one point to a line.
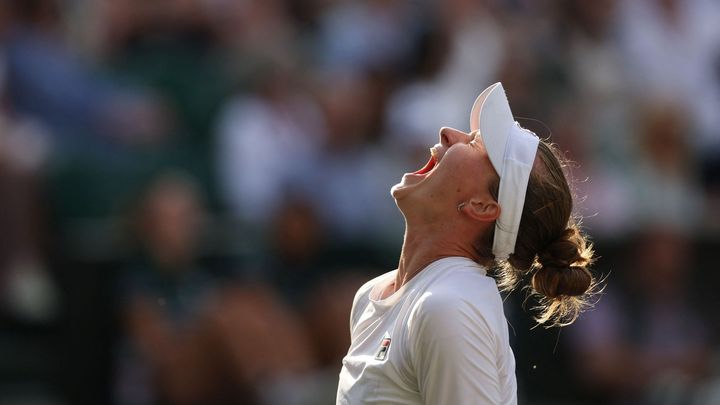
433	331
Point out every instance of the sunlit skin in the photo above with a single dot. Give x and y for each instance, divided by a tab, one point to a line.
446	208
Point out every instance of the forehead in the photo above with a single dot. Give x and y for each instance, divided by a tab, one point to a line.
479	156
477	139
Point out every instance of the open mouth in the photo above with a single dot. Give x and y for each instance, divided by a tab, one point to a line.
429	165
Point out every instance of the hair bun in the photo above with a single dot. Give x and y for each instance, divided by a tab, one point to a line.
562	270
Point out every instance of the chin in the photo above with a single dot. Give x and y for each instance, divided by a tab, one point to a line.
403	197
400	191
396	191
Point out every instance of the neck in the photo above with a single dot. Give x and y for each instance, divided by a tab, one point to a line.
426	243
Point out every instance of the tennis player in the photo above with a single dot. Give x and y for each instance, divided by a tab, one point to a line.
433	331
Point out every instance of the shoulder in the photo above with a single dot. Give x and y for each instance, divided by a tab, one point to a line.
365	289
362	296
461	299
461	285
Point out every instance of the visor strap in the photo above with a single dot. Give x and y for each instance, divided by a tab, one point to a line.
520	151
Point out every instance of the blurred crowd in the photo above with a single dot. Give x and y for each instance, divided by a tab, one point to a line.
191	191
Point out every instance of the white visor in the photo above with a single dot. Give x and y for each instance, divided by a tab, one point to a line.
512	150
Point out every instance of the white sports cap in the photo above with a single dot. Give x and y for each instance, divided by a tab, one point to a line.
512	150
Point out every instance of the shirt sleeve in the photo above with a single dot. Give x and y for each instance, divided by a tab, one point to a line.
455	354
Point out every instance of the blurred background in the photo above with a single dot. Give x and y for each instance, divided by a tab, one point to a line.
191	191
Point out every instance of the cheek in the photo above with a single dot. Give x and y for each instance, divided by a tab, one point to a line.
464	186
460	175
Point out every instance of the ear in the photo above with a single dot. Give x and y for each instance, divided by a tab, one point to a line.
484	210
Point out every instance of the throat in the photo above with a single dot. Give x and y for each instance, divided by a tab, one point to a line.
425	245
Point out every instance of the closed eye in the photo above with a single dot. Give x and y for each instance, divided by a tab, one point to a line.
473	140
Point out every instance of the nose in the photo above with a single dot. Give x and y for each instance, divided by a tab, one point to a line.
451	136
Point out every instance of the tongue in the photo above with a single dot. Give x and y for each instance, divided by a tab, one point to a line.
428	166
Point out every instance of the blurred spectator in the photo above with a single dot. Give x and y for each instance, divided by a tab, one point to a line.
28	292
167	46
319	281
255	31
265	143
666	182
311	272
467	48
645	342
361	215
672	48
299	253
599	87
47	80
192	339
373	35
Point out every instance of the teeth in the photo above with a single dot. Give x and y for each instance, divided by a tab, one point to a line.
434	154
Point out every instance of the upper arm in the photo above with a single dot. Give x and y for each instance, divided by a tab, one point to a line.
455	355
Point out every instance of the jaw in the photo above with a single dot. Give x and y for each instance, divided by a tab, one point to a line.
412	180
421	202
403	188
406	197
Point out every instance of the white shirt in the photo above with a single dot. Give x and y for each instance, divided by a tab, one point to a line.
442	338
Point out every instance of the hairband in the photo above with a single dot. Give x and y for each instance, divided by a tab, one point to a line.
512	151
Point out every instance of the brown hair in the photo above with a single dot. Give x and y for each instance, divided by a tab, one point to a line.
550	249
